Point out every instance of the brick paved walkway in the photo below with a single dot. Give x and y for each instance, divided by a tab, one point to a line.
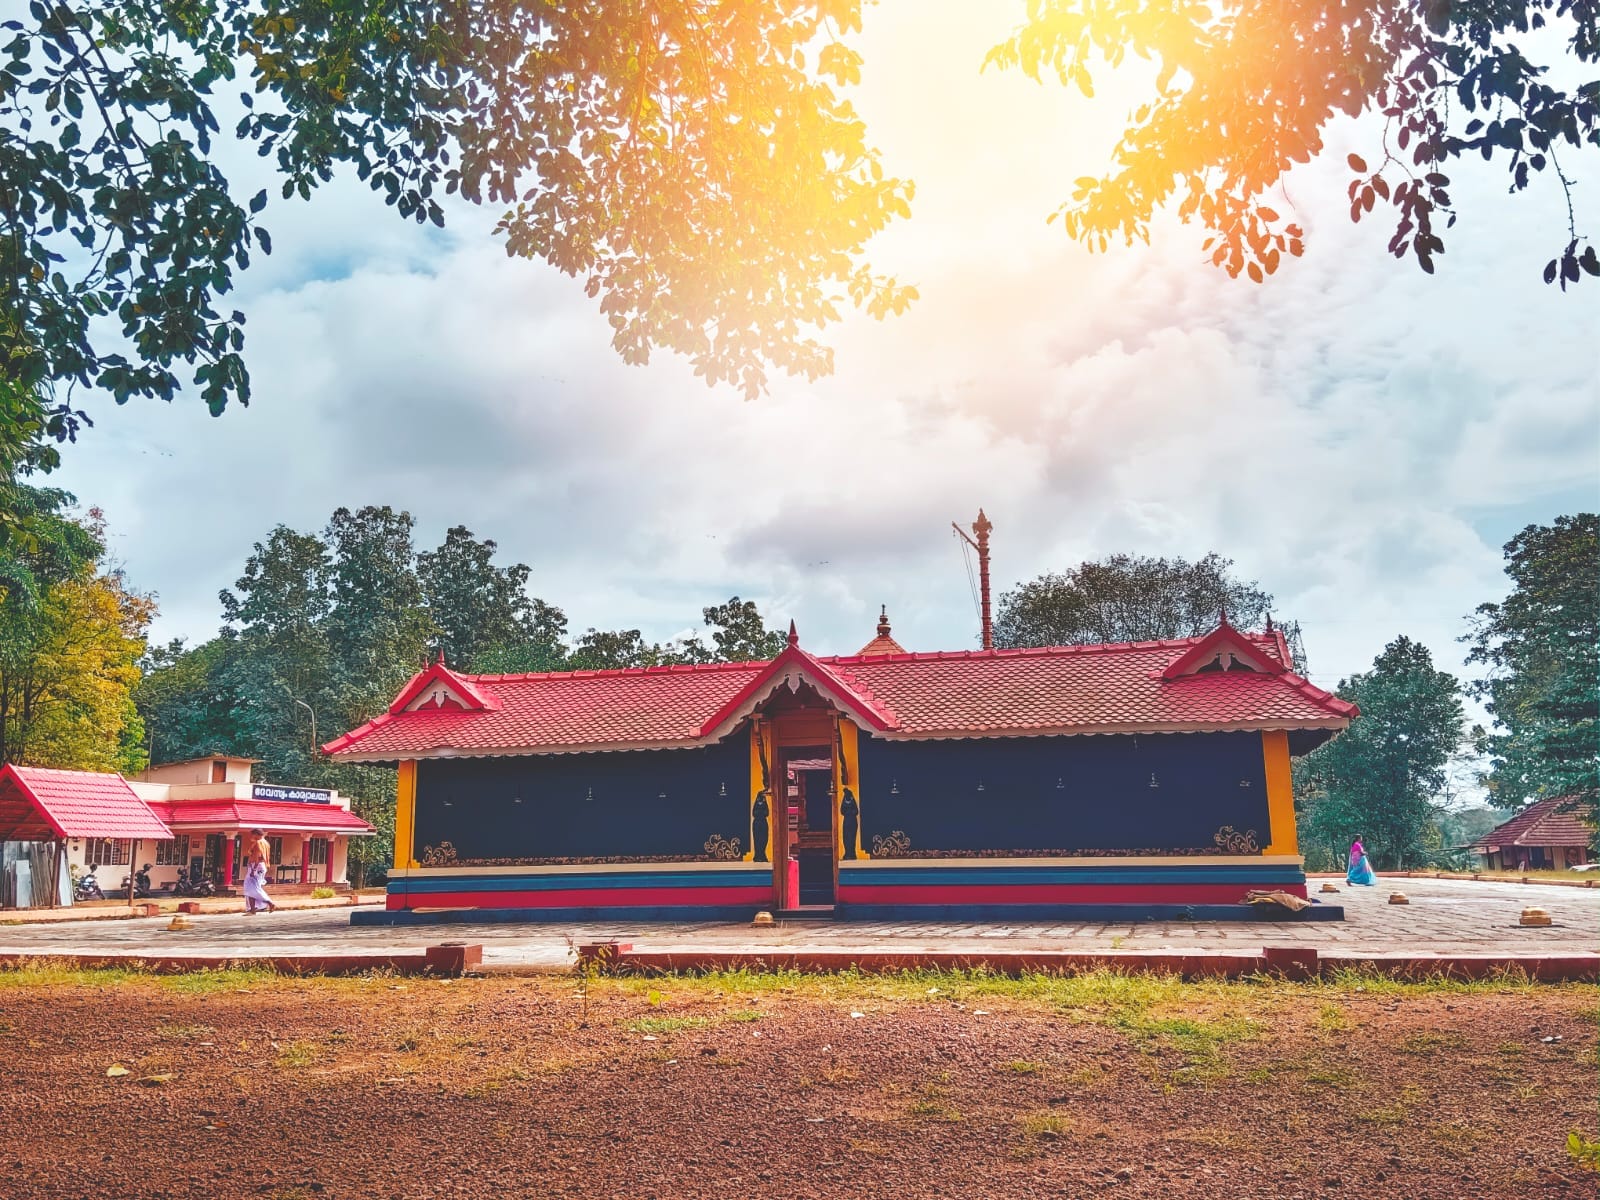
1452	917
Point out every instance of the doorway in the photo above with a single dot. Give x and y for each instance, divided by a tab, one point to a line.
805	826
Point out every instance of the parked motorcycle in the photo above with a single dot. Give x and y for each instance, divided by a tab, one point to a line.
87	887
194	885
140	883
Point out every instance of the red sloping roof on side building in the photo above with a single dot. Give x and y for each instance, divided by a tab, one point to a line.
989	693
1543	823
270	815
37	803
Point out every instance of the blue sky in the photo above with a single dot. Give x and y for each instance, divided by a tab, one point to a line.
1359	437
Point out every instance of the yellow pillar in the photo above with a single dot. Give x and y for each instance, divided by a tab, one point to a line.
405	815
850	761
1280	794
759	741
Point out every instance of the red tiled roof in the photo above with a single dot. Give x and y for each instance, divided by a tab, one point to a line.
1543	823
37	804
979	693
271	815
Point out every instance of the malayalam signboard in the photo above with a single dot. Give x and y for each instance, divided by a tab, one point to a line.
300	795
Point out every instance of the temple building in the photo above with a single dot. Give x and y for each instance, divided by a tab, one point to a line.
1134	780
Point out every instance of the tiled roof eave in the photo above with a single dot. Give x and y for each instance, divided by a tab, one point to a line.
1263	725
997	731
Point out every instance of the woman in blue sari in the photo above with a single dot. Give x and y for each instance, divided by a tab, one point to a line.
1360	869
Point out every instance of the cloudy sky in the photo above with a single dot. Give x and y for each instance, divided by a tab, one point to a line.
1359	437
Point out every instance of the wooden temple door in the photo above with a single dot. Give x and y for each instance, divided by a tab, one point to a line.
804	812
806	833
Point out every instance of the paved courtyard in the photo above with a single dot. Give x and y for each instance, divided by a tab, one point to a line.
1445	916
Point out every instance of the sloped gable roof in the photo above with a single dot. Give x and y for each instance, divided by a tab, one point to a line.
980	693
1551	822
37	804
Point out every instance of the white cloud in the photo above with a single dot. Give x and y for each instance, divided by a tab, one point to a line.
1341	432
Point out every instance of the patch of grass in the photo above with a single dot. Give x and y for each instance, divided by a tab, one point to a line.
323	893
659	1025
1455	1136
494	1081
1332	1075
296	1054
841	1073
1428	1042
185	1033
1388	1114
1331	1018
1509	1049
1044	1125
932	1109
1019	1066
1198	1042
746	1014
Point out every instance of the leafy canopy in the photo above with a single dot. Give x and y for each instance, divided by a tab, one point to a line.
1247	88
1381	778
1132	598
695	163
1541	646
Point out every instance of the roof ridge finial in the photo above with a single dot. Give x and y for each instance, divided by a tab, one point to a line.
883	620
439	662
1269	622
794	634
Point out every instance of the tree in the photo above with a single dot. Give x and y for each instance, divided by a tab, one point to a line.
481	611
695	163
739	634
70	704
1541	646
1380	779
1246	89
378	628
187	710
1131	598
71	636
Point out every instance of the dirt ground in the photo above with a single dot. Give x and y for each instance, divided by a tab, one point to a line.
247	1085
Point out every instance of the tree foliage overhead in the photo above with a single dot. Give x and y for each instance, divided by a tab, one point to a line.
1541	645
1247	88
1132	598
695	163
1383	778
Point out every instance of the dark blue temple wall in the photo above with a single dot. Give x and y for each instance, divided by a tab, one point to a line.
1063	794
644	804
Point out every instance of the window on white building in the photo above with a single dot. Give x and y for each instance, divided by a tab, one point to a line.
106	852
172	853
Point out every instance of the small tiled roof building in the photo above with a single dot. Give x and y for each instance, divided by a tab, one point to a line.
1556	832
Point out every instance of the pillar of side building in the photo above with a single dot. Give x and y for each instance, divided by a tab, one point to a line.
227	860
305	860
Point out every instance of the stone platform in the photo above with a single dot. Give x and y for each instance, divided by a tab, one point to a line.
1445	918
